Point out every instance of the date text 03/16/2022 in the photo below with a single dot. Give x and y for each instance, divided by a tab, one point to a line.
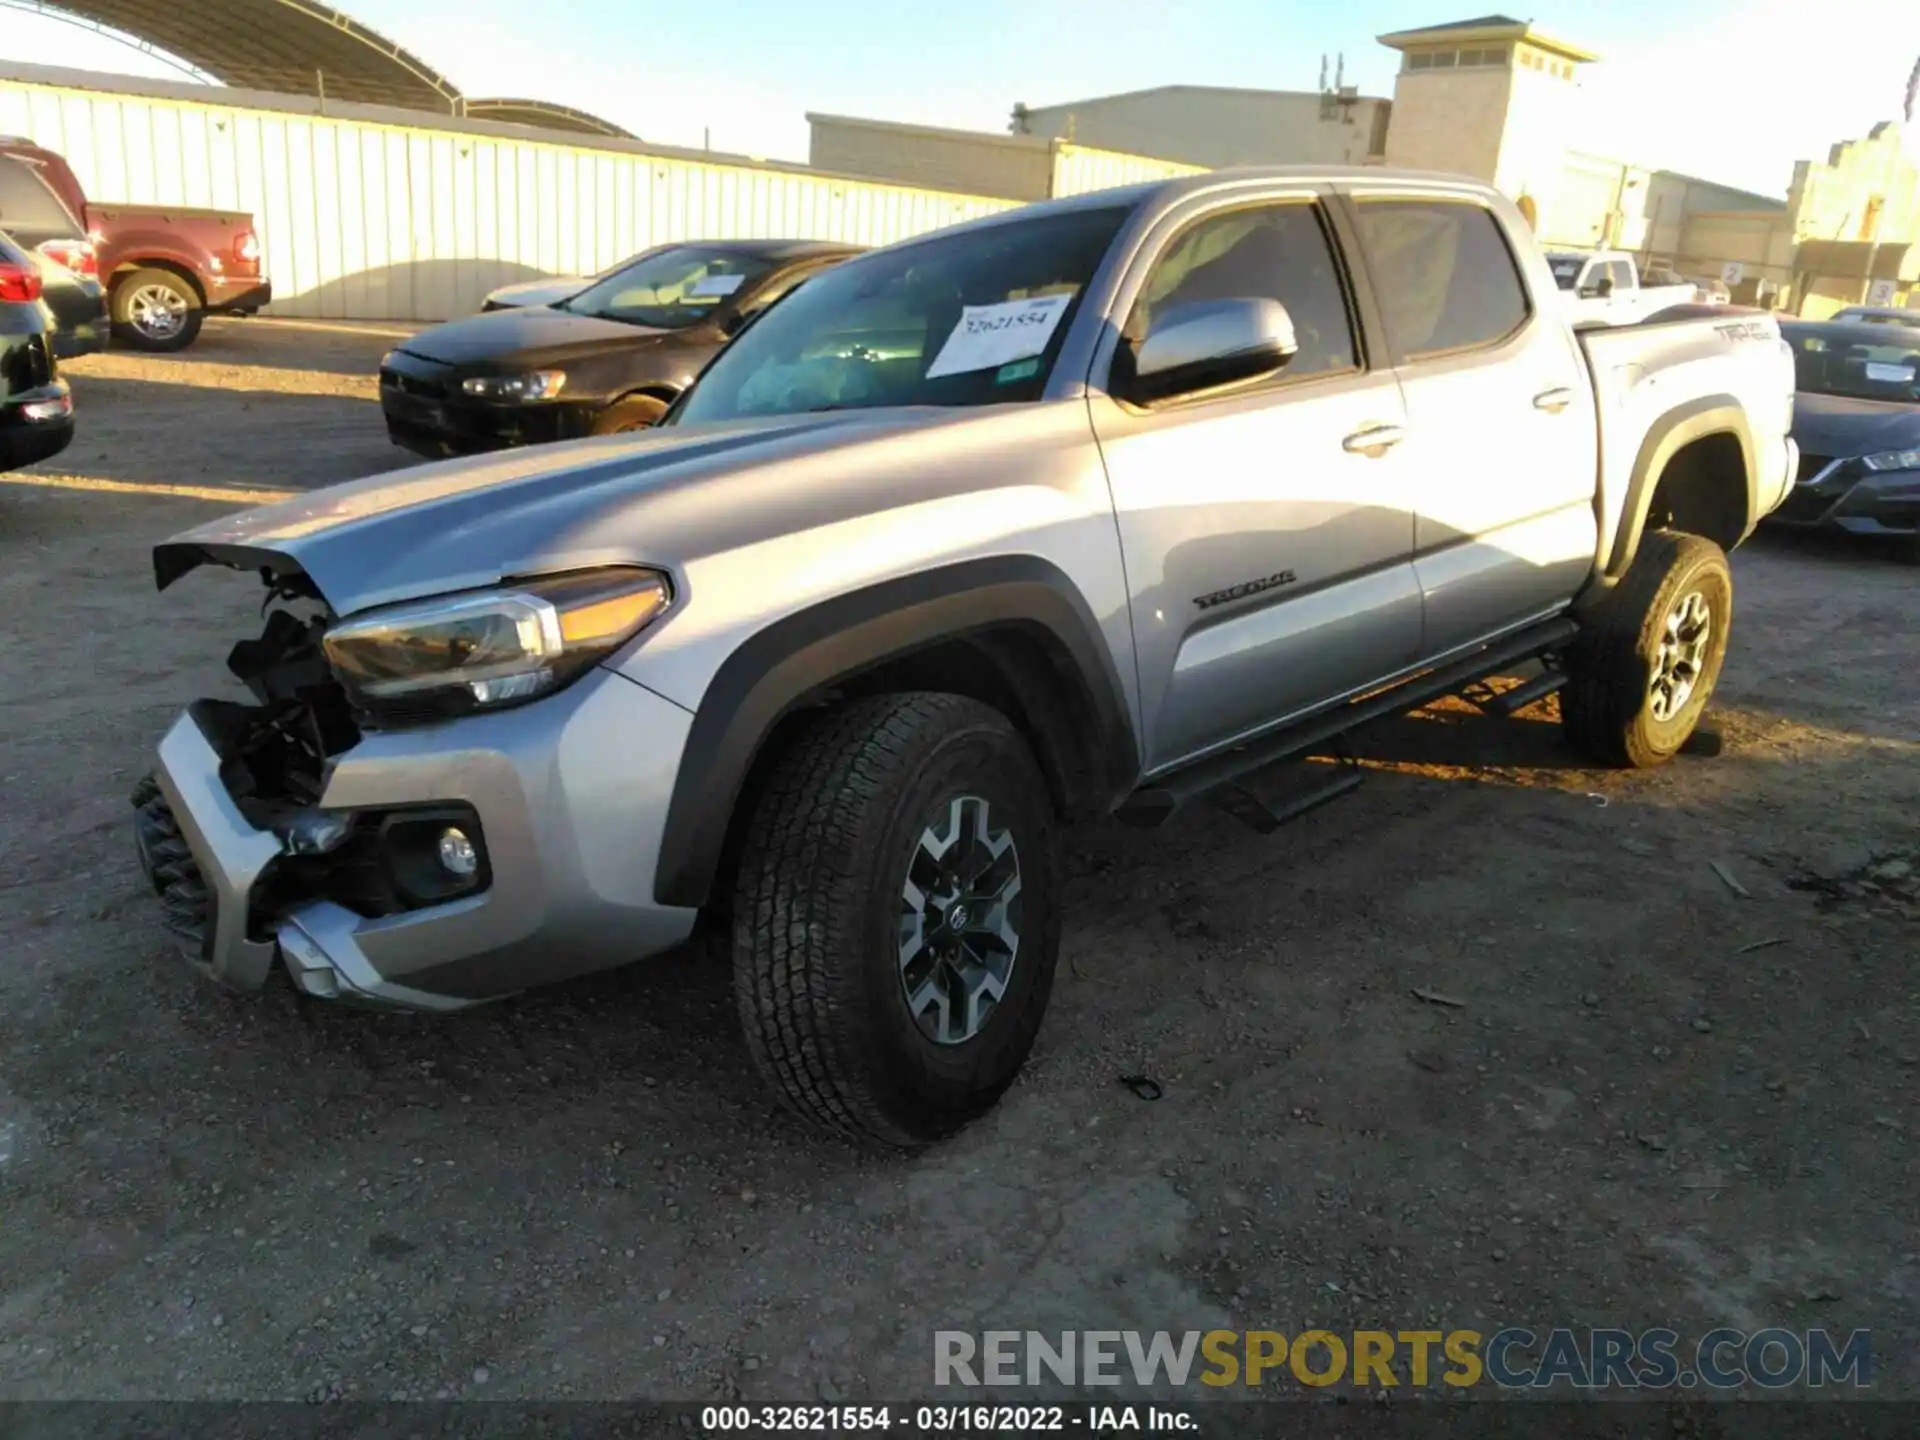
961	1419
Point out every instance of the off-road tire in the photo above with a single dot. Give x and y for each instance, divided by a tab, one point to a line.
1607	708
816	934
630	412
187	904
127	331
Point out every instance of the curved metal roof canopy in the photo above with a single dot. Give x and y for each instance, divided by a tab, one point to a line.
292	46
545	115
300	47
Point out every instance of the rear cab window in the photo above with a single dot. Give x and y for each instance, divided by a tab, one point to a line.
1445	276
1566	269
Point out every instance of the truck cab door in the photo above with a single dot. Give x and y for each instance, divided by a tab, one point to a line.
1266	527
1501	426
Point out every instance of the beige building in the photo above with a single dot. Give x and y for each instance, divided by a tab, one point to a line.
1213	127
975	162
1491	97
1848	232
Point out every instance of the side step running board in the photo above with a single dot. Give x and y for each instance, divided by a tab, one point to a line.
1257	815
1512	702
1154	802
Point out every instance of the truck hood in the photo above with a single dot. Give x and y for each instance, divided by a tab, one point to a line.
1841	427
468	523
525	336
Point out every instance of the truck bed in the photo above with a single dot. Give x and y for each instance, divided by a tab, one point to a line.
1676	360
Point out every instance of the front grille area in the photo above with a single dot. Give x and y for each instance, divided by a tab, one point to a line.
1810	466
407	384
1804	507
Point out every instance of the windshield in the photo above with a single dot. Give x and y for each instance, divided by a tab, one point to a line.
1838	364
671	288
975	318
1566	269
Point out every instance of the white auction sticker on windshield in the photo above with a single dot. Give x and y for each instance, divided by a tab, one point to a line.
1889	374
717	284
989	336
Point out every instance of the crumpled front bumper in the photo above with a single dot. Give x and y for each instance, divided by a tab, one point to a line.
571	794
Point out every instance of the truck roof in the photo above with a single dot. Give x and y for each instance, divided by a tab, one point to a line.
1167	192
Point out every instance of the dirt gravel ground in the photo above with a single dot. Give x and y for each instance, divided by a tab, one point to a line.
1675	1085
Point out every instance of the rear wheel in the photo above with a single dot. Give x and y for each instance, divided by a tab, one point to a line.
631	412
894	926
1649	656
156	310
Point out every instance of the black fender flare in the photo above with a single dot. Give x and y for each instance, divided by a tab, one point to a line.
799	657
1667	437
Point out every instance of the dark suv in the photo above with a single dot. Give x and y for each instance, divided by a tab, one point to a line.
36	409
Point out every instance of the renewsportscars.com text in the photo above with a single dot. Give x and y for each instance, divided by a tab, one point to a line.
1513	1358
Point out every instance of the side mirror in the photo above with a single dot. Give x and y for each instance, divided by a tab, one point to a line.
1211	342
1598	289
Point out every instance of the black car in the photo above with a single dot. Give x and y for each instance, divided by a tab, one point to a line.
609	359
36	410
1856	418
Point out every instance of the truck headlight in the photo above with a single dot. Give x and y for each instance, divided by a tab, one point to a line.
1893	460
534	385
486	650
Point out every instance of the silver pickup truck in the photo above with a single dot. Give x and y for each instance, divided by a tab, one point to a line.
1090	508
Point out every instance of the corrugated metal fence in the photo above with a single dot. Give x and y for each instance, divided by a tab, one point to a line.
402	217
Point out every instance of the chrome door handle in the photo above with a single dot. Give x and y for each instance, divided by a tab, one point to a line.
1373	441
1553	401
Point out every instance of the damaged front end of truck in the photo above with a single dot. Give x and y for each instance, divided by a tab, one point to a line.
271	759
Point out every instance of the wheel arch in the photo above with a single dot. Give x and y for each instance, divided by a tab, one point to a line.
653	390
1012	631
124	270
1698	464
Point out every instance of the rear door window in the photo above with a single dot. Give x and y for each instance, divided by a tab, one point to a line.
1446	279
27	204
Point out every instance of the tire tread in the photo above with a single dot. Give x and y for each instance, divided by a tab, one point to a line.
1606	687
801	907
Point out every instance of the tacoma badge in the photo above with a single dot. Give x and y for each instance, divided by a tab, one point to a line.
1245	588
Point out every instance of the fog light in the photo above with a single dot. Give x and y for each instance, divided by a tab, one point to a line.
37	410
457	855
436	855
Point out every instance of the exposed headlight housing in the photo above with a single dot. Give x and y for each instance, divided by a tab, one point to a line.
534	385
1893	460
489	649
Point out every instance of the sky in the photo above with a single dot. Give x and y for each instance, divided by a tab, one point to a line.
1731	90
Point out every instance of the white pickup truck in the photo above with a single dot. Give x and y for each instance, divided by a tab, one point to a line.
1603	287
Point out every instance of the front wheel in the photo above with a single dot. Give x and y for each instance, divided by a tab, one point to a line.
1649	656
156	310
894	924
630	412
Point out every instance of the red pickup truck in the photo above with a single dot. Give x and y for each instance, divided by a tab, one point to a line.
165	266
